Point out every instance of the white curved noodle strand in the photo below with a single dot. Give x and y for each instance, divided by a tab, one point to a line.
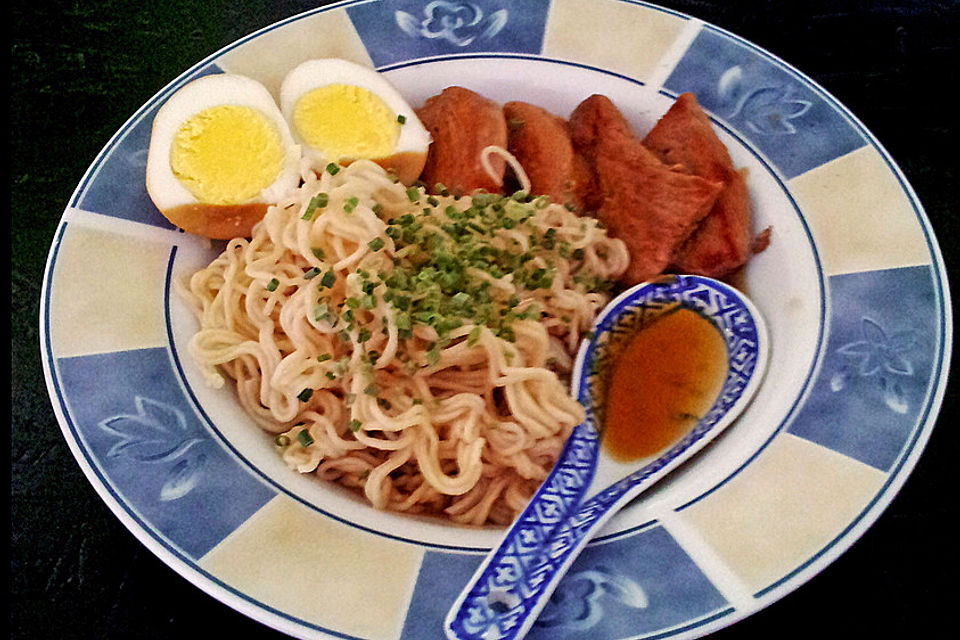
409	346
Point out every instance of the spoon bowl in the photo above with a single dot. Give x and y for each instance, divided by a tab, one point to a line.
587	486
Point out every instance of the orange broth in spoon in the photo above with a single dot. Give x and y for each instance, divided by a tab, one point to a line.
663	381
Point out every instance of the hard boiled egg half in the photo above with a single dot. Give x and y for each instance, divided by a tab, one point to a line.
340	111
220	154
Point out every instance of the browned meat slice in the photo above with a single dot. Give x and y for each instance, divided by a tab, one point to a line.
684	136
642	201
594	116
540	142
651	208
462	123
722	242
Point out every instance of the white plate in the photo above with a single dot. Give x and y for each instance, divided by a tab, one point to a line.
853	289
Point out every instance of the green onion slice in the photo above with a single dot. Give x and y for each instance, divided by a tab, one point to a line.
305	438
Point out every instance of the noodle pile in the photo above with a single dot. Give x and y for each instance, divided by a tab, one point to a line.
414	347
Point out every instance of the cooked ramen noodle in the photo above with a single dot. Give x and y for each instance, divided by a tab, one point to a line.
413	347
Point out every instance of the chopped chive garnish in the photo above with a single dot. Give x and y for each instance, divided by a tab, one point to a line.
273	284
350	204
402	119
444	272
316	202
281	440
548	238
372	390
305	438
321	311
317	253
305	395
354	425
323	357
333	169
311	273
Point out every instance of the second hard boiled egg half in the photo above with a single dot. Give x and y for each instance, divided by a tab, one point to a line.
220	154
339	111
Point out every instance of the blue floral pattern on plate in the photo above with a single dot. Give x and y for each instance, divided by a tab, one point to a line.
143	434
158	434
666	588
399	30
866	401
459	23
765	101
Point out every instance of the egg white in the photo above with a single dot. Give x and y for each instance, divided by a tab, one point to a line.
313	74
165	189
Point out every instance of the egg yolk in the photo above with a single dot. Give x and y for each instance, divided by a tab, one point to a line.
227	154
346	122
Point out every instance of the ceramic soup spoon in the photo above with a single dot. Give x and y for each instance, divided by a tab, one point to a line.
592	480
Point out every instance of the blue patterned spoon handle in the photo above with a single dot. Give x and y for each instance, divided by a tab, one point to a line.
556	498
504	604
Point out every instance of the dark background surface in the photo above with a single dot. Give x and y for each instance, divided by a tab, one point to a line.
79	70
